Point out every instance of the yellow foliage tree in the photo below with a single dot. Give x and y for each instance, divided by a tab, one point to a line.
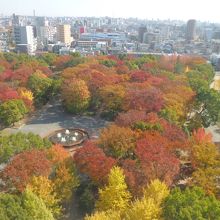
76	95
156	190
144	209
108	215
25	94
115	195
206	160
44	189
65	180
149	207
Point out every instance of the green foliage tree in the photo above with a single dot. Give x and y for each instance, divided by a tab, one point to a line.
13	144
11	207
48	58
76	60
145	126
24	207
108	63
35	207
191	204
206	71
40	85
87	199
206	108
196	81
12	111
210	104
10	57
207	103
179	67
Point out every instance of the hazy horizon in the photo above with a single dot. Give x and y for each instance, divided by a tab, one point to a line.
158	9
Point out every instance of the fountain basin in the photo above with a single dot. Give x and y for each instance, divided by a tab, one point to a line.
69	137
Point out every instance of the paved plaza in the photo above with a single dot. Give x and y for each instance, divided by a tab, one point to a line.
53	117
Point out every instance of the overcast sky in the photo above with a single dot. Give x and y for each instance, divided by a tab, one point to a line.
205	10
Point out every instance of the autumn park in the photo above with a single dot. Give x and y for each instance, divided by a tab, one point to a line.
149	157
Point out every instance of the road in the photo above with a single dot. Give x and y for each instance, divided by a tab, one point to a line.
215	129
53	117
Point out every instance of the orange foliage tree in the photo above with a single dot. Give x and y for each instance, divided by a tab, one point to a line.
57	154
118	142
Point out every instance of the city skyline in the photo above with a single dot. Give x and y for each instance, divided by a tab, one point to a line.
158	9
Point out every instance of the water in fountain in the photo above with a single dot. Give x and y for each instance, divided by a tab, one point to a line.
68	137
63	139
59	135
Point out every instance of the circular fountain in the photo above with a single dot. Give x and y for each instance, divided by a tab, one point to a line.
69	137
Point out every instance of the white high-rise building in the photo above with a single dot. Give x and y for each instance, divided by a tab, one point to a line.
24	39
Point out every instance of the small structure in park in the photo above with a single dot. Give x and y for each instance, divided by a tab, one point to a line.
69	137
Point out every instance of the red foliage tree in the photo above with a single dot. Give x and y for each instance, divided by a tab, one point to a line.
134	176
22	74
139	76
167	62
149	99
122	69
130	117
177	138
155	81
92	161
7	93
100	79
156	161
45	70
23	167
201	137
150	66
6	75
